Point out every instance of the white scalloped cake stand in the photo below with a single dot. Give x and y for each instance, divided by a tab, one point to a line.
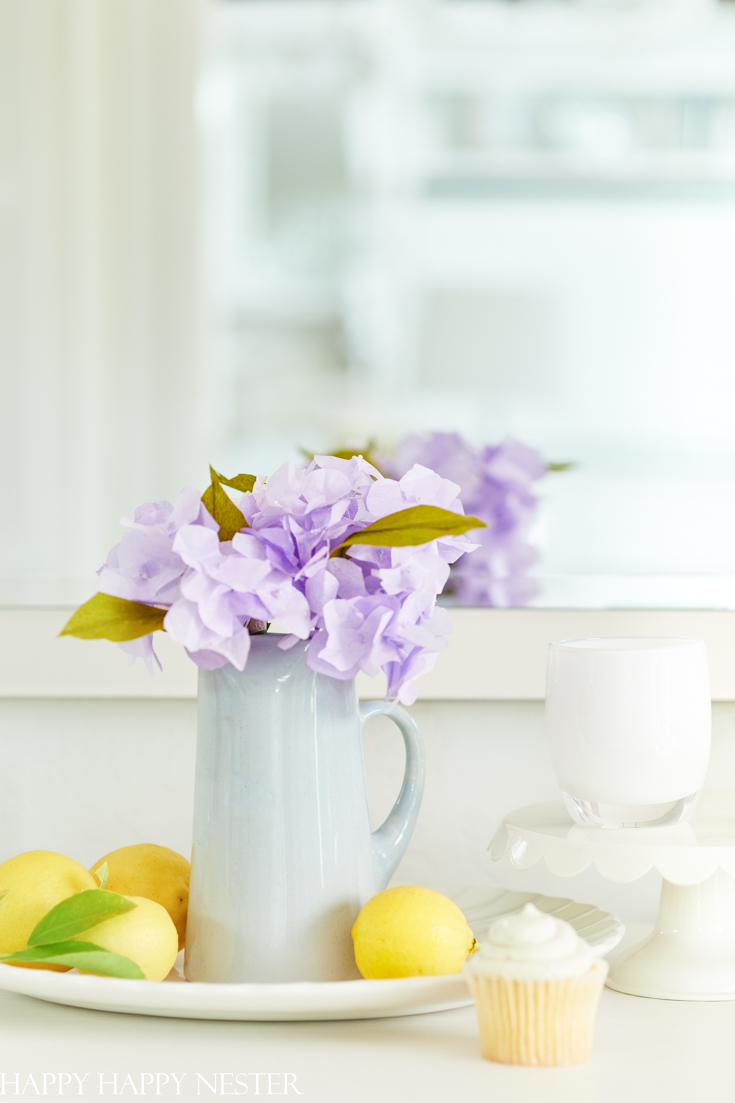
690	954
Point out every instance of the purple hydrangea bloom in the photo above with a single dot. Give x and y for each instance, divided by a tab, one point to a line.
372	610
495	484
143	566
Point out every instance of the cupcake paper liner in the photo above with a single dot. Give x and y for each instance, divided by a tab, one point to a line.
537	1022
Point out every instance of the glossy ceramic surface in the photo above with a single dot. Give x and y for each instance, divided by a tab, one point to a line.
283	857
685	853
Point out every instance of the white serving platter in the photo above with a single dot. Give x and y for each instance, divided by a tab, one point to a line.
352	999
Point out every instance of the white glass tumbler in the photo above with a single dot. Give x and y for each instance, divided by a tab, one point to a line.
629	725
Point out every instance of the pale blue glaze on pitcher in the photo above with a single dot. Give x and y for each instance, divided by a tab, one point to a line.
283	857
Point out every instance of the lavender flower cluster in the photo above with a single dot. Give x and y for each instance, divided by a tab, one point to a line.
374	610
496	485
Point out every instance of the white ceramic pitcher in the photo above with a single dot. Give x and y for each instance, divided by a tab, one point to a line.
283	857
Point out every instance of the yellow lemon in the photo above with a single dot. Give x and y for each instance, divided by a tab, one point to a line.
410	932
146	934
34	883
152	871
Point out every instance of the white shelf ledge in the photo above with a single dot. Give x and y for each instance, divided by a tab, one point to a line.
494	654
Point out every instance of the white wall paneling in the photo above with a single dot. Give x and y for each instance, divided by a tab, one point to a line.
84	777
98	273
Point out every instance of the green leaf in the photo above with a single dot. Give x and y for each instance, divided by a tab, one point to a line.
245	483
412	526
568	466
221	506
77	914
105	617
80	955
102	874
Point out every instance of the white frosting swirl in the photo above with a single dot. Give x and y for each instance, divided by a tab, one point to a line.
532	945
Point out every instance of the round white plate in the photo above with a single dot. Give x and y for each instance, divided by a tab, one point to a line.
351	999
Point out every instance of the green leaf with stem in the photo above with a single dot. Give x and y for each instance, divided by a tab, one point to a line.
79	955
102	874
77	914
105	617
411	527
221	506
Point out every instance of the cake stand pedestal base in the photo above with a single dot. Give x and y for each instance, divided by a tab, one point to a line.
690	955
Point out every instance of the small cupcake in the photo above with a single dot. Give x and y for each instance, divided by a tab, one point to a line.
536	985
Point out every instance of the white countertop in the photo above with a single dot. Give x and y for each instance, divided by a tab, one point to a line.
645	1051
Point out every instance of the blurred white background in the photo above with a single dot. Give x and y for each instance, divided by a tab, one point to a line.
237	227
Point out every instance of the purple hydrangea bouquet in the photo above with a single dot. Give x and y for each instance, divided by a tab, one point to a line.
496	484
336	553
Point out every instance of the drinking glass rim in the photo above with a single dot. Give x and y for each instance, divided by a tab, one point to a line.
613	644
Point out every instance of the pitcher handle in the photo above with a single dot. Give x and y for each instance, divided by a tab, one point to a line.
392	837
